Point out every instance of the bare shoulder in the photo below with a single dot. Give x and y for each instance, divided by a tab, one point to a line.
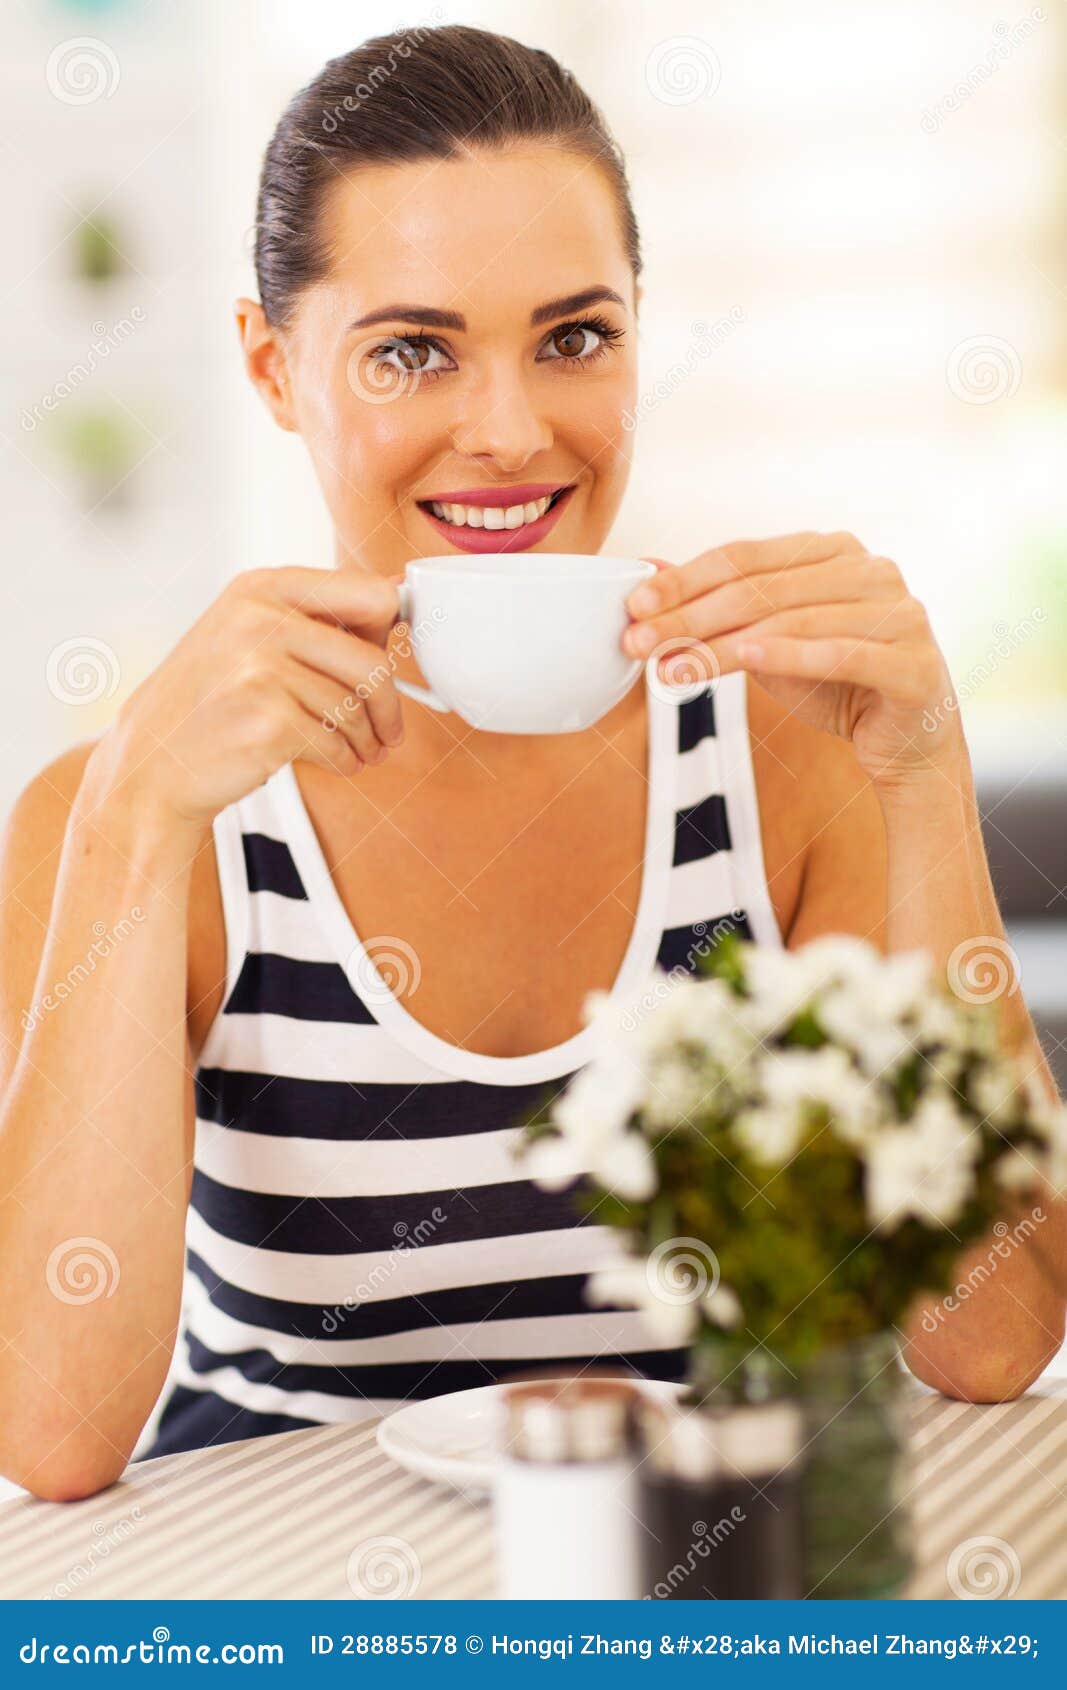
821	825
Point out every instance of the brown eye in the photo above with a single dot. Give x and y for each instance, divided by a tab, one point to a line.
404	354
570	342
413	357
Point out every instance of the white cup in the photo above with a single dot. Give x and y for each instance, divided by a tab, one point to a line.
521	643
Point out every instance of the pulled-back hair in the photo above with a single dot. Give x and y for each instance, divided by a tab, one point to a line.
414	95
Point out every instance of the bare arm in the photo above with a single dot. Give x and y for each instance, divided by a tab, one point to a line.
96	1107
95	1130
912	873
994	1343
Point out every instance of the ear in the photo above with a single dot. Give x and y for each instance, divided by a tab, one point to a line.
264	356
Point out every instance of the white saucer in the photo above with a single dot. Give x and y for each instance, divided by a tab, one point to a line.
454	1437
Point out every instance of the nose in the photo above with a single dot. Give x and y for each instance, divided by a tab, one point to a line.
500	423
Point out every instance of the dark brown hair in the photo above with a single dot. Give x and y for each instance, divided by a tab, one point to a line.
417	94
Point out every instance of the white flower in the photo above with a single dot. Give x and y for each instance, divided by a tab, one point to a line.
939	1020
673	1323
703	1014
723	1307
1018	1170
625	1167
994	1087
598	1103
823	1076
554	1162
924	1168
770	1132
1050	1120
779	987
679	1086
850	1017
841	956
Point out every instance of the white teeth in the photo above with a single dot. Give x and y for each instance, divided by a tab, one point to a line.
490	516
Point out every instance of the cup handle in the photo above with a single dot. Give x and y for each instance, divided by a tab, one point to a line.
421	695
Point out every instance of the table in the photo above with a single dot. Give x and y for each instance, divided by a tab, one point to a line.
325	1514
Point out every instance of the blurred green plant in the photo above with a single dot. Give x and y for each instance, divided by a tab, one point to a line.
97	256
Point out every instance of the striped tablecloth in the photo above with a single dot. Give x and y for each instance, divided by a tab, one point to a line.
324	1513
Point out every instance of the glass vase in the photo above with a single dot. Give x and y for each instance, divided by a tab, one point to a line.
857	1529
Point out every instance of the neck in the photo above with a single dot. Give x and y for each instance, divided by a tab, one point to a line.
445	749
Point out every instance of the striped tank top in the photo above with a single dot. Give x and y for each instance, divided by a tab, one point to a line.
359	1231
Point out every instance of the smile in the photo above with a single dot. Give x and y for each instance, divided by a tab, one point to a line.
496	519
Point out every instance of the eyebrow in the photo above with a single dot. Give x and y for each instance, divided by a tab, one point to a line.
428	316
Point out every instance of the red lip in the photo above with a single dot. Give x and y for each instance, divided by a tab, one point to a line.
524	494
499	539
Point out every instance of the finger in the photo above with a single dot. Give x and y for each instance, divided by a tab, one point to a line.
362	668
739	559
353	598
339	711
704	619
900	673
311	740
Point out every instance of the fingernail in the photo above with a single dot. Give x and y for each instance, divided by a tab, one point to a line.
642	602
641	641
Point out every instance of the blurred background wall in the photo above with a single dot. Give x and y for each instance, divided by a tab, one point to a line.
854	318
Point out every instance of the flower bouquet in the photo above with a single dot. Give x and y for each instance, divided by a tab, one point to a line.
797	1145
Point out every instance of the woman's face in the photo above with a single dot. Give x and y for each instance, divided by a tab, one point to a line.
470	356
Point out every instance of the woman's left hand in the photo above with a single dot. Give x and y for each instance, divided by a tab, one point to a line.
829	630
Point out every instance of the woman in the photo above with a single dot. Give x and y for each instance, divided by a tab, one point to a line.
448	269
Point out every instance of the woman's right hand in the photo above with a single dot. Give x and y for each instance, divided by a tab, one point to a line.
286	663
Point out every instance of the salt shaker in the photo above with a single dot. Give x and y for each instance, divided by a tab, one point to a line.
565	1490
